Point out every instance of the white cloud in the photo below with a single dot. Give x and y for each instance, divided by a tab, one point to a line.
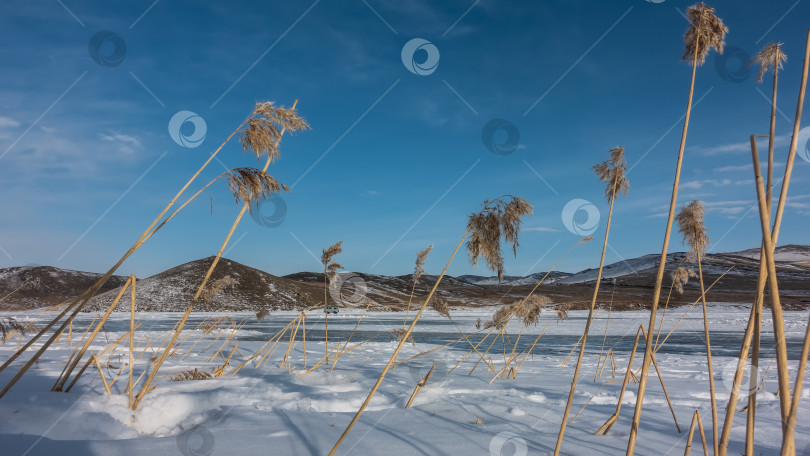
698	184
8	122
126	144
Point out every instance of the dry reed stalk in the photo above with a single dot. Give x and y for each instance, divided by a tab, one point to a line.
227	341
396	351
607	324
675	326
695	420
131	340
609	423
732	403
262	136
207	328
499	217
769	57
531	348
435	349
505	319
342	351
421	256
76	358
690	224
679	278
291	343
221	369
587	402
323	360
103	352
787	447
419	386
78	303
776	305
101	374
706	31
330	274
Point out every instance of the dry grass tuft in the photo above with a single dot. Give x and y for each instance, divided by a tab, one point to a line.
216	287
706	31
209	326
421	256
191	374
251	185
9	326
400	332
769	58
499	217
439	304
262	313
478	324
690	224
680	277
562	311
331	267
528	312
263	132
612	171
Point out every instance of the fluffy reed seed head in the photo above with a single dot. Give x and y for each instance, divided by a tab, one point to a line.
216	287
251	185
528	312
690	224
421	256
612	171
331	267
9	325
263	132
562	311
499	217
769	58
706	31
680	277
401	332
262	313
439	304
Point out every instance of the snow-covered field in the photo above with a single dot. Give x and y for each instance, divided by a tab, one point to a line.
273	411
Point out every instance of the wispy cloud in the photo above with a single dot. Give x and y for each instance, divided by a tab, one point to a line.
126	143
543	229
743	146
8	122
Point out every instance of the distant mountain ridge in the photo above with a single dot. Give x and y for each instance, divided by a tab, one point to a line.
253	289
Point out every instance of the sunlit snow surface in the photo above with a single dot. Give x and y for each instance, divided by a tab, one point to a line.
273	411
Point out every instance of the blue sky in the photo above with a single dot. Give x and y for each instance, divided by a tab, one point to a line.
395	160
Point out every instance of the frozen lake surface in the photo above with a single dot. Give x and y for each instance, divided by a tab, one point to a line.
271	410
